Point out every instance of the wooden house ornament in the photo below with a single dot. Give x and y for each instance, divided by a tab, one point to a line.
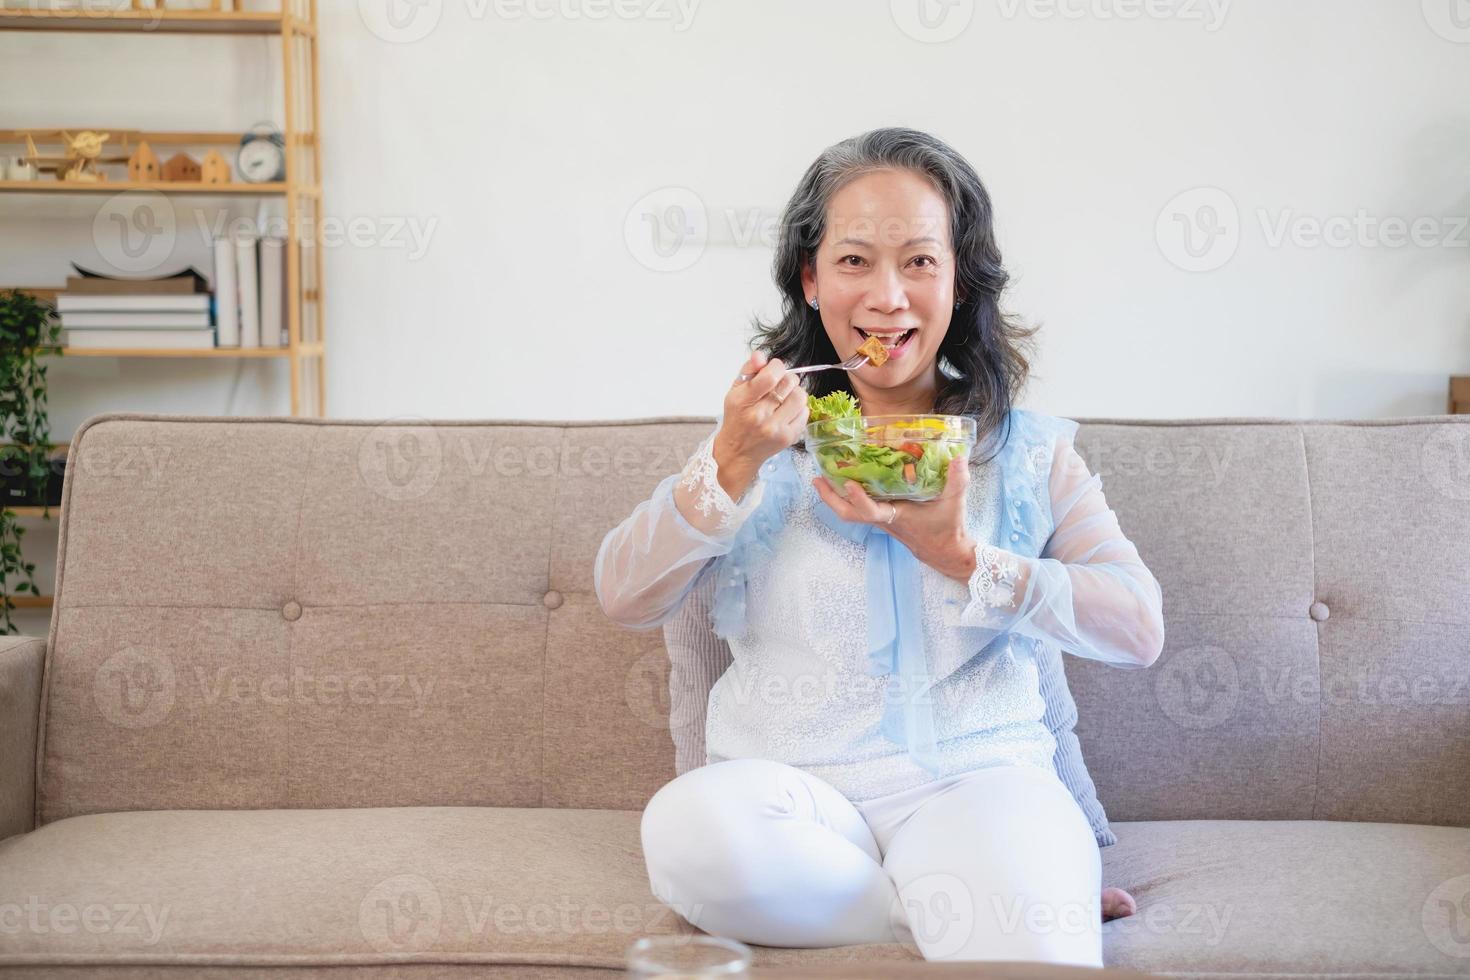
143	164
182	167
216	169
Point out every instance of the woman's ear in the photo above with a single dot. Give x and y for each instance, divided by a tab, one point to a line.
809	277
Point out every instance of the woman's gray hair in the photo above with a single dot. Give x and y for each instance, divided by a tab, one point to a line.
984	355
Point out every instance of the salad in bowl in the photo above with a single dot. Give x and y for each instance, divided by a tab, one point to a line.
892	457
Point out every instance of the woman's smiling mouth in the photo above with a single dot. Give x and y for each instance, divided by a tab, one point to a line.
896	342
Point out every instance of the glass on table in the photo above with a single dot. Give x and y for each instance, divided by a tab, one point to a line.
685	956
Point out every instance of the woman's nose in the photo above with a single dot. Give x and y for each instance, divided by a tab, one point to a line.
887	293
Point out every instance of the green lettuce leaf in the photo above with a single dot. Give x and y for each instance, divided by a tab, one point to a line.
837	405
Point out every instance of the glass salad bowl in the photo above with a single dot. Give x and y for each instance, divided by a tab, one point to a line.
892	457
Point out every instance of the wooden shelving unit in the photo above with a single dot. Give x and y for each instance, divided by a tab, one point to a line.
47	513
296	27
307	350
117	186
145	21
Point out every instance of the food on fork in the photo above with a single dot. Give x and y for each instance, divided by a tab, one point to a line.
873	347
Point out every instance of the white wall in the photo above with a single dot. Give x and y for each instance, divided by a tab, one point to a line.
518	145
517	149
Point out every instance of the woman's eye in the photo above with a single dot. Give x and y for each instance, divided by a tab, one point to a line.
927	258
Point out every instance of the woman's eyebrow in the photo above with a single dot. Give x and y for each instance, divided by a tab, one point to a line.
864	244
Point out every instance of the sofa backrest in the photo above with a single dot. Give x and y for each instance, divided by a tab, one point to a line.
1317	630
267	612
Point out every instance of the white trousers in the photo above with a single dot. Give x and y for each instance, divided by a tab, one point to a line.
993	864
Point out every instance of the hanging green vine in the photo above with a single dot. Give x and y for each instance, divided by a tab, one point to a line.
28	332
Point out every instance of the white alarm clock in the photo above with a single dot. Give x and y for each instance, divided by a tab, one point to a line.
262	156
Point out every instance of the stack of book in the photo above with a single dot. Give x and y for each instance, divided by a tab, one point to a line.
247	307
170	312
250	291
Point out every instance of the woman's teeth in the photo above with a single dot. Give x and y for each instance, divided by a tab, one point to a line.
889	340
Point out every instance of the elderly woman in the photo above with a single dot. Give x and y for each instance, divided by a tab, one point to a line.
833	810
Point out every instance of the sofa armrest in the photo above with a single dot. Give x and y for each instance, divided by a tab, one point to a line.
21	661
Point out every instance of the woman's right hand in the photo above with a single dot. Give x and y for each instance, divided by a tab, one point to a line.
762	417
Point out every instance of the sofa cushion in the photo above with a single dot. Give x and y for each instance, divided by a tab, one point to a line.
465	885
315	887
21	661
277	613
1314	603
1246	898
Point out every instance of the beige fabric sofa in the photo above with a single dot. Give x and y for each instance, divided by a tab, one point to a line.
335	698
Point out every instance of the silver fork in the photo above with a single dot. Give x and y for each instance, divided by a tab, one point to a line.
851	364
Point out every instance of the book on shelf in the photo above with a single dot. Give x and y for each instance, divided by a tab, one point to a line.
250	294
273	292
113	312
150	303
247	280
146	319
226	295
189	280
246	308
188	338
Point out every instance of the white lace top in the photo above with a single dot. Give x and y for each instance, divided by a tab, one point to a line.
798	691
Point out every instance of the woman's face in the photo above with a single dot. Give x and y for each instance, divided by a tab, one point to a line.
885	265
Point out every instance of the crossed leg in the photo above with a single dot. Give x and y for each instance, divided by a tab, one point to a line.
765	853
999	865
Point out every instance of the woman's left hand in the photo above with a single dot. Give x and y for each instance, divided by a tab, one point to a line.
934	530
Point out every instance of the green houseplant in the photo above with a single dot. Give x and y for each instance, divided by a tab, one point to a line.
28	331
